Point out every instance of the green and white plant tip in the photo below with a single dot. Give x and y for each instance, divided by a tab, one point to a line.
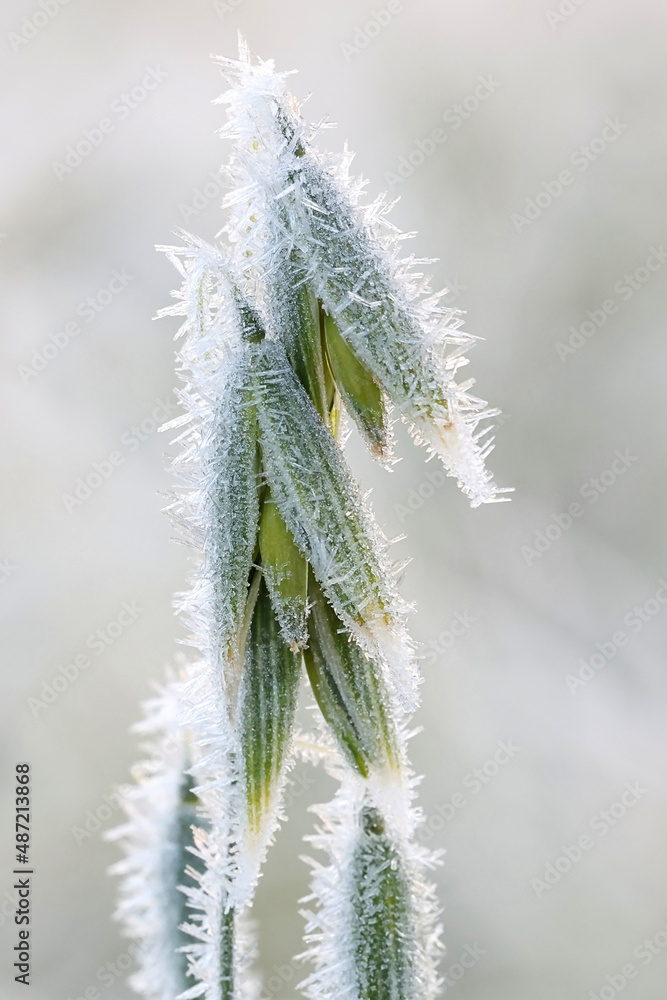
301	313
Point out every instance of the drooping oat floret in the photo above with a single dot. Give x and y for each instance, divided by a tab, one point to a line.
296	210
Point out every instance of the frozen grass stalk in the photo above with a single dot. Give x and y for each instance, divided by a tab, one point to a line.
302	311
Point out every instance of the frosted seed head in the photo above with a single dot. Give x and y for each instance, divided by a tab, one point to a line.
218	505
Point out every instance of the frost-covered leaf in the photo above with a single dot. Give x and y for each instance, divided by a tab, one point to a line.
232	497
218	507
297	323
360	392
221	954
315	493
317	497
286	573
349	689
412	347
269	688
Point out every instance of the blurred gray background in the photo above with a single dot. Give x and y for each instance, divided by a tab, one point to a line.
564	278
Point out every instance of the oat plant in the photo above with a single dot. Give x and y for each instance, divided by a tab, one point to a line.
302	316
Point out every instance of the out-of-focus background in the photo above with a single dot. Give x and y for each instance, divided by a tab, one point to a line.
542	192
